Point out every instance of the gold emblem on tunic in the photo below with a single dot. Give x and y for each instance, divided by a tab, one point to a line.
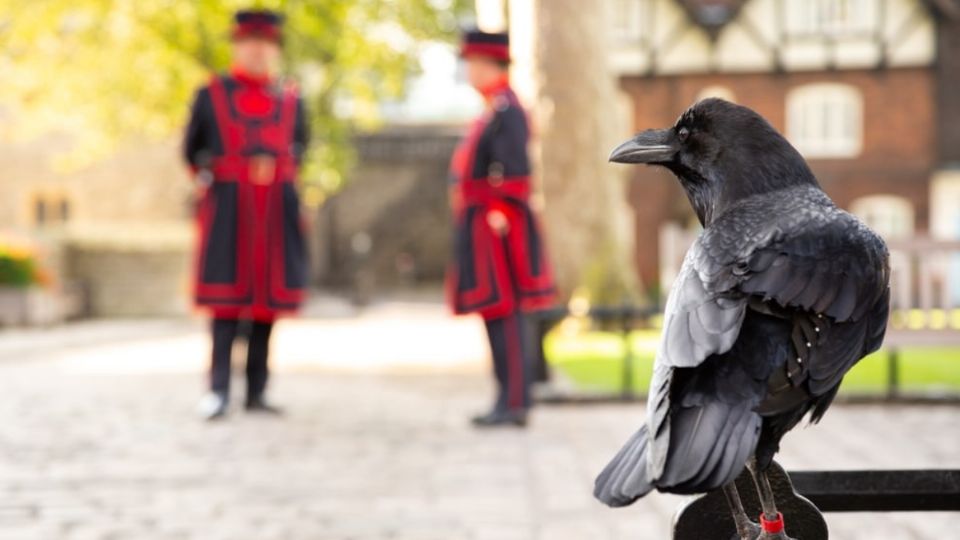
263	169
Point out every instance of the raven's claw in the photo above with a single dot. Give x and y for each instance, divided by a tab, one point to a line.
747	531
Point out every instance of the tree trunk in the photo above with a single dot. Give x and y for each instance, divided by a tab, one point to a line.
561	51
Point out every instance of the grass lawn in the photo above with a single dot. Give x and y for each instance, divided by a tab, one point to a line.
594	362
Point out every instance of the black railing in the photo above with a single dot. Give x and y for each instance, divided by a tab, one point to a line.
880	491
805	495
627	318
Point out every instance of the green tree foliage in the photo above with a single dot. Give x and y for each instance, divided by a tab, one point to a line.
118	70
18	268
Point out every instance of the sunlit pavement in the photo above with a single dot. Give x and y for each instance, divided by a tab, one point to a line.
99	440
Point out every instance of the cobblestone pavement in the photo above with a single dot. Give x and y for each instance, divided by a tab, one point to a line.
98	440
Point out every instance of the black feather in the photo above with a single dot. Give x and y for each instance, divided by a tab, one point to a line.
778	298
624	478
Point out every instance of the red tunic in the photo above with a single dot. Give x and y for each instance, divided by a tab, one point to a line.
251	257
495	273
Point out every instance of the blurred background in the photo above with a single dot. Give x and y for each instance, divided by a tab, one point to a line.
101	355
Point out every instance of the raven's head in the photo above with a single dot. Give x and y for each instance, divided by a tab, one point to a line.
721	152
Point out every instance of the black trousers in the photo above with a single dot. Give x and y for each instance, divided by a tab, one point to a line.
258	345
511	360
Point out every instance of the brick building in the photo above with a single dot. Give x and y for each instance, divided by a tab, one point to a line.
115	236
390	226
866	89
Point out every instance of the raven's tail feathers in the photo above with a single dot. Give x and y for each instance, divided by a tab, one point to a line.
624	480
709	445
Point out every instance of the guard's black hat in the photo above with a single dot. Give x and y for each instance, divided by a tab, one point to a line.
491	45
258	23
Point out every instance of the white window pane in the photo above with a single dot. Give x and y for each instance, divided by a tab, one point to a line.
629	22
823	119
830	17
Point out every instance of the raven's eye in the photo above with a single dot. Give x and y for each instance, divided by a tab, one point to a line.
683	134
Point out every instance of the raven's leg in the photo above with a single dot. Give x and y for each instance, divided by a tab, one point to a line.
746	529
771	520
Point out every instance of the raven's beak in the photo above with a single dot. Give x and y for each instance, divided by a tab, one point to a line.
650	146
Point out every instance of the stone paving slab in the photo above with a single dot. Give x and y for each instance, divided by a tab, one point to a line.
93	446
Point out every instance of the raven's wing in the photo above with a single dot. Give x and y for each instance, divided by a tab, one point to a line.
699	321
796	252
830	264
792	255
828	273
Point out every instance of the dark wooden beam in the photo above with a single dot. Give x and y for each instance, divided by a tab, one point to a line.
947	96
948	8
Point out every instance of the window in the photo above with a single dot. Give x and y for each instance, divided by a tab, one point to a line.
64	210
50	210
890	215
825	120
830	17
39	211
631	23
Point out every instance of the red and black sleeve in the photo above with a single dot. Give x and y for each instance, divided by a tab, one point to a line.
301	132
508	145
202	138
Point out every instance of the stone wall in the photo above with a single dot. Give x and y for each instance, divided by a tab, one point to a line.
395	204
126	243
130	283
115	234
142	182
137	274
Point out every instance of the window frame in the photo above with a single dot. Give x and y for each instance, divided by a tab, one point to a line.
855	26
825	120
640	13
896	213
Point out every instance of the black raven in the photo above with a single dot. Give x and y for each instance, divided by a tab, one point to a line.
780	295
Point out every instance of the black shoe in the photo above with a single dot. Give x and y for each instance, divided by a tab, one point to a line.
515	417
258	405
214	406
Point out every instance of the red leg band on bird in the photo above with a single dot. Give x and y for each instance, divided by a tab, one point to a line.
772	526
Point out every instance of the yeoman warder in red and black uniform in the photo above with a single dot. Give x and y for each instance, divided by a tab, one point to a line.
500	269
246	137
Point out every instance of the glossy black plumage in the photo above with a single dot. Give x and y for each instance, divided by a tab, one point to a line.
777	299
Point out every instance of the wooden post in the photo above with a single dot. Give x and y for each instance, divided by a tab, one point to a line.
627	392
893	373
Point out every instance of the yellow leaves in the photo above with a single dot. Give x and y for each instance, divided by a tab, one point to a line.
17	253
96	70
109	70
313	196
